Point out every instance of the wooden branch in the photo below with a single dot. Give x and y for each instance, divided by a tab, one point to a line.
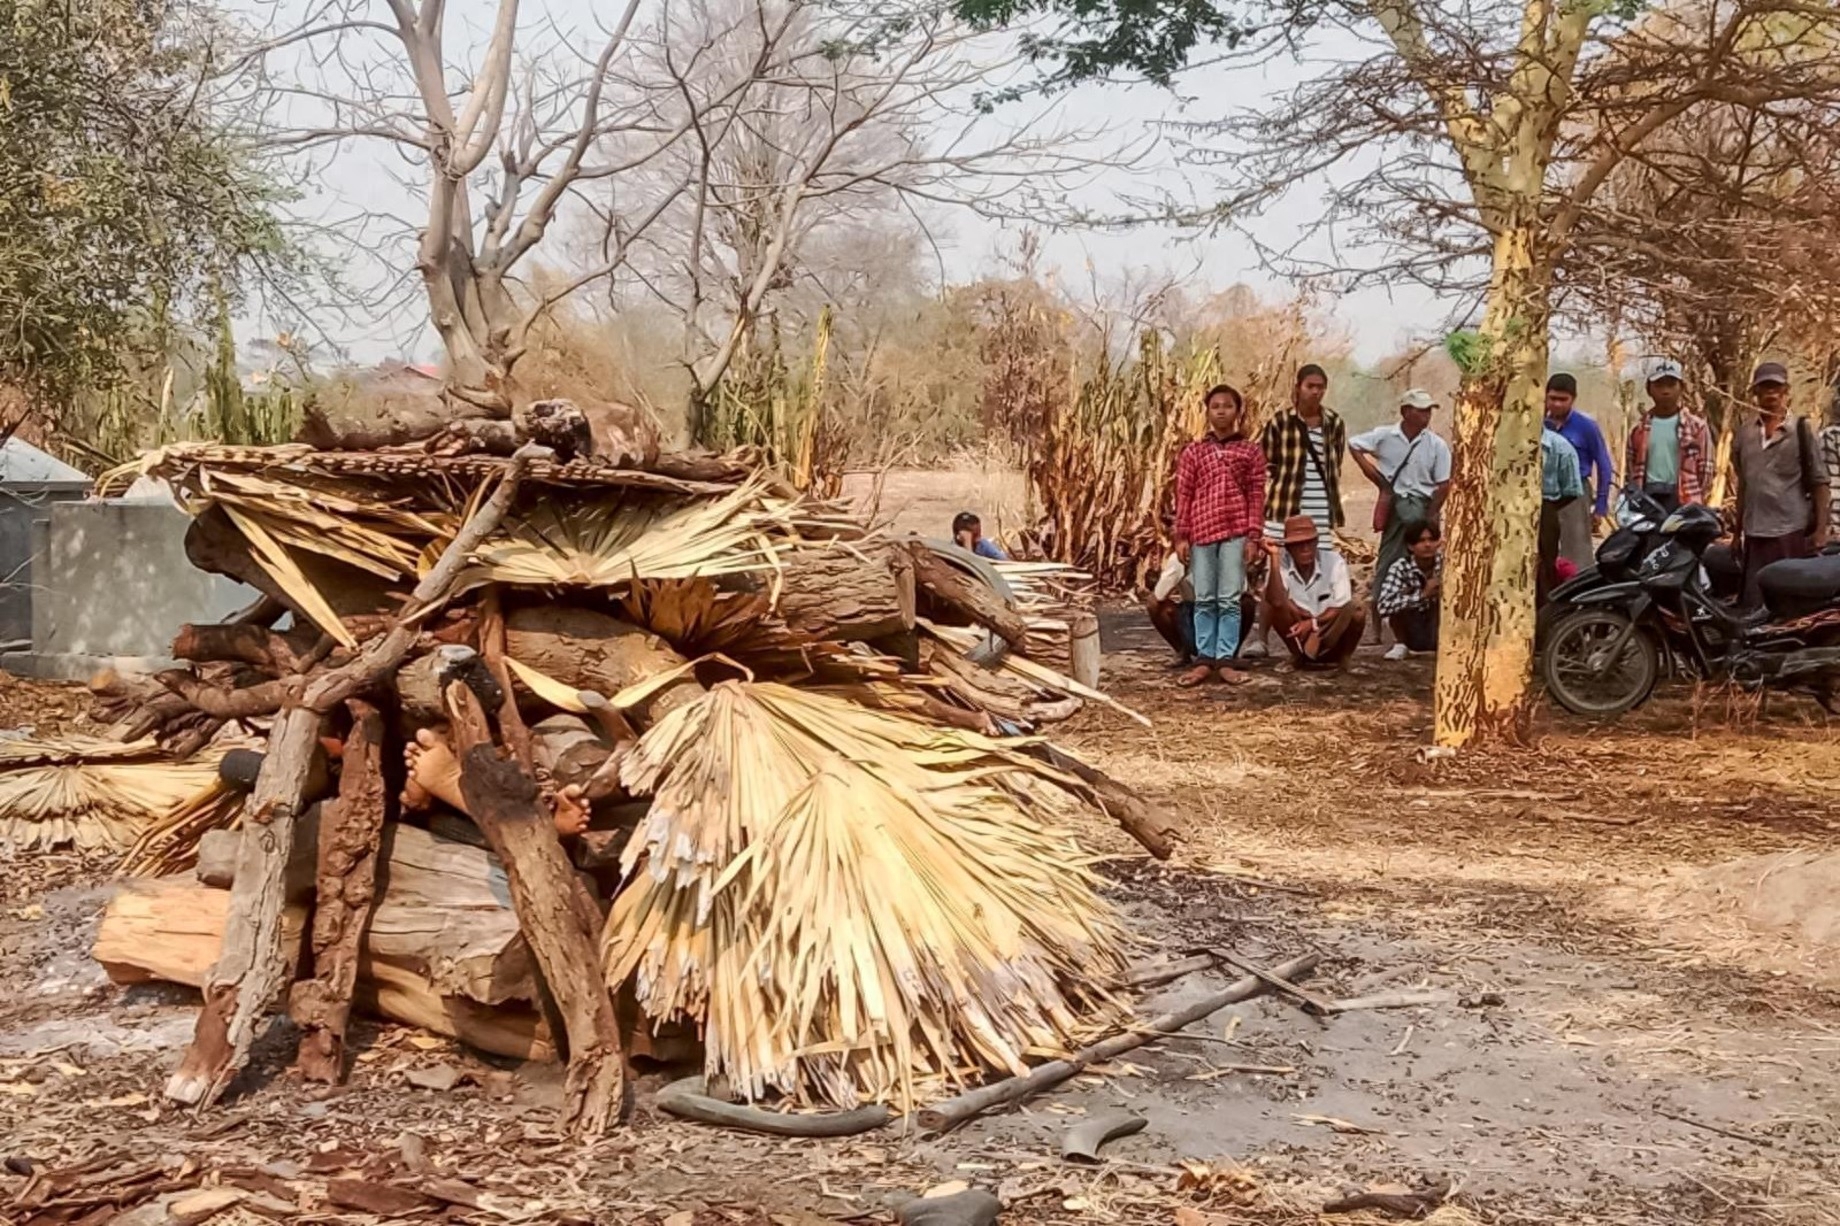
1149	824
347	885
264	698
942	1116
559	917
492	647
252	968
955	590
251	973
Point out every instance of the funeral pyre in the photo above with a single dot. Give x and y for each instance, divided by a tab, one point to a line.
559	756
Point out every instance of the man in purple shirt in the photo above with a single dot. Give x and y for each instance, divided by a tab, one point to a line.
1580	520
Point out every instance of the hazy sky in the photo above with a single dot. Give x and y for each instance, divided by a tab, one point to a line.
366	178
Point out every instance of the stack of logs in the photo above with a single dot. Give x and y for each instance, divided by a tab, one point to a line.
493	941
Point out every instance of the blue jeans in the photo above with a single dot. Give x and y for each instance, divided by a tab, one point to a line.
1218	572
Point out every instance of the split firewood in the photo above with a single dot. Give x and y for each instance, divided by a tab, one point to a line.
251	973
846	592
346	885
559	917
234	642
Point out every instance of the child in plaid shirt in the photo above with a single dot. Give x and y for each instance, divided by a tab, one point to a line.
1220	504
1410	589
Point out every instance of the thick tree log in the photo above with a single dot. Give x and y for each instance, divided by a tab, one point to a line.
347	883
213	544
239	643
847	592
401	994
264	698
953	590
251	975
171	929
568	750
253	968
586	650
443	910
559	917
340	420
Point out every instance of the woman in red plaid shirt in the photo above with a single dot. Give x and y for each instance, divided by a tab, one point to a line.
1220	505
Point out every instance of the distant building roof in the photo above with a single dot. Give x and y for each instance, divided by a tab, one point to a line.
23	464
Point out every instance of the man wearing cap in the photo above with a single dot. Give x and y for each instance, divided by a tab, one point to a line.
1309	599
1669	456
1560	488
1782	495
1579	520
1410	467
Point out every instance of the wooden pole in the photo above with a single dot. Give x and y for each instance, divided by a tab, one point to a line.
949	1114
559	917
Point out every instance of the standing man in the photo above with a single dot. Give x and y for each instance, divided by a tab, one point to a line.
1410	467
1782	495
1581	518
1304	449
1309	599
1560	488
1830	459
1220	504
1670	451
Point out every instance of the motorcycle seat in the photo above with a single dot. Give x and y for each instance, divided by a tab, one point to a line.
1796	587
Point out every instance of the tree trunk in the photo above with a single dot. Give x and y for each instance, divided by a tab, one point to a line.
951	589
558	915
1491	521
586	650
346	885
171	930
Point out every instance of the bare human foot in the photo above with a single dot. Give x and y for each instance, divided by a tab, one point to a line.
434	772
1195	676
1232	676
570	812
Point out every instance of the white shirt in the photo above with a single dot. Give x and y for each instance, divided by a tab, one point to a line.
1174	579
1418	476
1328	588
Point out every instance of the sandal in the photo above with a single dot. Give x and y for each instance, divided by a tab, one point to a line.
1232	676
1195	676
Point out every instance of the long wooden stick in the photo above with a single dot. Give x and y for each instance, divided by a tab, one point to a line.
949	1114
252	971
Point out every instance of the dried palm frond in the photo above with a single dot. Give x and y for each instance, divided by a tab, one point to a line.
63	750
170	843
100	804
852	903
610	544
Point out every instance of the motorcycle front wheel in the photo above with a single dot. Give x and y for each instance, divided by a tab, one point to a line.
1579	674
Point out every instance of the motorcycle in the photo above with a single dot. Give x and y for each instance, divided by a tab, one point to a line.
1637	535
1605	654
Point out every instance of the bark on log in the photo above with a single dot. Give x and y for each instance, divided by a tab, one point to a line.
347	419
253	967
559	917
1084	656
403	995
586	650
847	592
264	698
347	883
957	592
568	750
250	975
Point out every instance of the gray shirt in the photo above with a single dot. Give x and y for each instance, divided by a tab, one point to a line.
1776	502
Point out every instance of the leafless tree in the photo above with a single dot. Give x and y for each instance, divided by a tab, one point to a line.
852	127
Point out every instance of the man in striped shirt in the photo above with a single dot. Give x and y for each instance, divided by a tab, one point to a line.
1304	449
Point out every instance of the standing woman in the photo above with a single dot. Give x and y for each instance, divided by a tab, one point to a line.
1220	505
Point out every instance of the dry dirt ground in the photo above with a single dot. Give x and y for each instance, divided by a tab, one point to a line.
1602	1059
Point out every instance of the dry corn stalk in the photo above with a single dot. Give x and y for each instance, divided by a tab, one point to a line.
852	903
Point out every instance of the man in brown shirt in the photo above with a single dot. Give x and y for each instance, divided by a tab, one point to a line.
1782	483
